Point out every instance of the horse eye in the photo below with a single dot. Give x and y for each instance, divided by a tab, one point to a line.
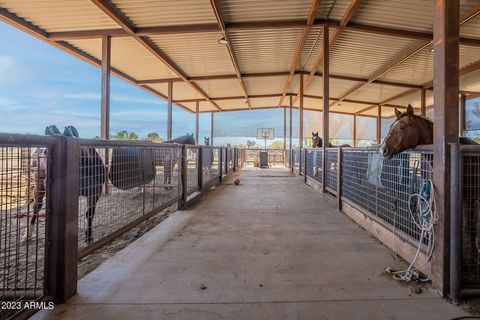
402	127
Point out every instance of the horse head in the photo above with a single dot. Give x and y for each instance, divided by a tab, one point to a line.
206	141
316	140
408	131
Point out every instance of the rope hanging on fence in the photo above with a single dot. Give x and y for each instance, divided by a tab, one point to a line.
421	206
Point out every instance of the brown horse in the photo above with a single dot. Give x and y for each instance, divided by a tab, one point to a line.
408	131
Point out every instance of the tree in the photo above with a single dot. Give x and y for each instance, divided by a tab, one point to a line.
276	145
154	137
251	144
124	135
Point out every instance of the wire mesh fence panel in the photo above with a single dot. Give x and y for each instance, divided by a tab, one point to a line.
230	158
288	155
314	164
383	187
470	222
251	157
120	183
275	157
331	169
24	191
296	160
210	163
192	168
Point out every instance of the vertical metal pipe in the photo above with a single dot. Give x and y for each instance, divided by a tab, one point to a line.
284	128
170	107
445	129
423	102
354	130
197	122
455	220
379	125
339	178
301	113
105	99
290	119
212	128
461	115
326	103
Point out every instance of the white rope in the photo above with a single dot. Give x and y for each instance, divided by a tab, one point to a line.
426	220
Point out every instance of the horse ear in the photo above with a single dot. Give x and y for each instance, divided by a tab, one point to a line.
316	133
410	111
398	113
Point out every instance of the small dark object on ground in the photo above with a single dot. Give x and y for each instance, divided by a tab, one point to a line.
203	287
237	182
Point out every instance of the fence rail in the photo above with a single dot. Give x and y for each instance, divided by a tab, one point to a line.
251	157
77	194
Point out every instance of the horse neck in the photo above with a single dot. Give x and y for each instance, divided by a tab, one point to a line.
426	131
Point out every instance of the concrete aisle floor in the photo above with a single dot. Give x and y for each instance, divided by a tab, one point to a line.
271	248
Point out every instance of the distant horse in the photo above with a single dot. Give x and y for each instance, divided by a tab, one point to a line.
317	142
169	157
91	178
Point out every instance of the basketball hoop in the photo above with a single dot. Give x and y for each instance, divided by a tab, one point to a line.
266	134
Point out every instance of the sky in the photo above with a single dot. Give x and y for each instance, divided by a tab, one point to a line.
44	85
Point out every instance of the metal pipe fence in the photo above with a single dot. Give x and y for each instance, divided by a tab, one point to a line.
24	201
383	187
211	164
296	158
251	157
465	221
120	184
314	164
193	163
331	164
76	195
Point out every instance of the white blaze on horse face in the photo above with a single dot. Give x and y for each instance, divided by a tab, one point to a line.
383	146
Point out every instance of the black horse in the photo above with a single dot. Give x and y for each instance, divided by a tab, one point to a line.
317	142
92	176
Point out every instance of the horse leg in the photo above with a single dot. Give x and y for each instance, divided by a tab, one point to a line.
38	196
90	214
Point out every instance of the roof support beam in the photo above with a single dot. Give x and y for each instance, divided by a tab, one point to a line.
475	10
169	114
109	9
249	25
445	132
343	23
326	100
282	73
306	31
221	24
105	96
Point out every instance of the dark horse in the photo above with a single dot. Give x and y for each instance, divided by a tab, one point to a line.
317	142
168	158
91	179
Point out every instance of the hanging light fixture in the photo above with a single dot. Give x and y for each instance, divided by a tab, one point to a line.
223	40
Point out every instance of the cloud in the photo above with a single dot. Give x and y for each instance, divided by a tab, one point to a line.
8	104
7	63
113	97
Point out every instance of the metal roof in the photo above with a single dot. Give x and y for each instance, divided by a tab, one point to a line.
380	50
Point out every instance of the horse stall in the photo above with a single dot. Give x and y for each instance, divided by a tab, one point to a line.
381	195
101	188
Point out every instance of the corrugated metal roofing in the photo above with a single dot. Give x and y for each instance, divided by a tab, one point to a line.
258	49
60	15
361	54
254	10
150	13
